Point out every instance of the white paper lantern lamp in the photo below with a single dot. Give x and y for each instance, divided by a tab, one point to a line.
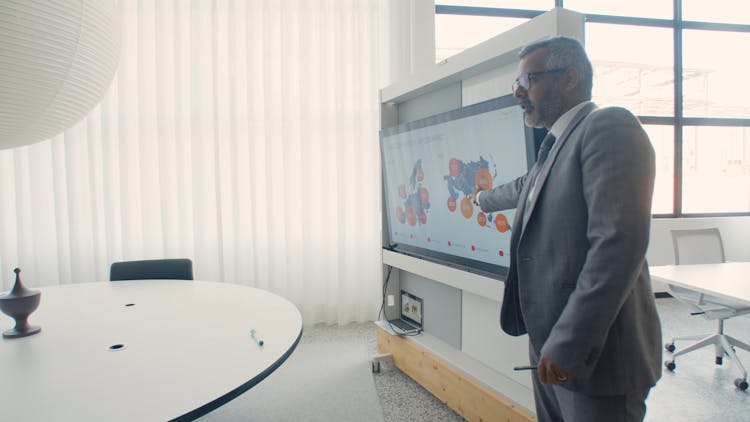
57	59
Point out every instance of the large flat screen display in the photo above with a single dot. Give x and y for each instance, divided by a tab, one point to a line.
431	165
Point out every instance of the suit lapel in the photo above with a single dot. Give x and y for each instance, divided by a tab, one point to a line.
511	314
543	172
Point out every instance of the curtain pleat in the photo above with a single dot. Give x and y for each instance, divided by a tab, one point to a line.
241	134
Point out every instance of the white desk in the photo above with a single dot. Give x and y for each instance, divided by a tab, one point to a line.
729	280
188	350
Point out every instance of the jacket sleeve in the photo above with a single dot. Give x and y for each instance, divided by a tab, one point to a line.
502	197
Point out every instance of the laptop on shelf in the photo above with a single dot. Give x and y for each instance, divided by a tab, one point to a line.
410	321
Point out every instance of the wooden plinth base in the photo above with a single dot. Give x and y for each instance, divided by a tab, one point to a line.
457	390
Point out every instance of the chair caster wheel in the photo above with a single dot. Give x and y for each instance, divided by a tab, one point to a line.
375	367
719	360
670	365
740	383
670	347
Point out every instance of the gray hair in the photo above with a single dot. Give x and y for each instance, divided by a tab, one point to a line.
564	52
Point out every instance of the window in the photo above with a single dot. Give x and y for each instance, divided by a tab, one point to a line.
662	138
515	4
715	170
723	11
628	75
684	76
640	8
715	74
451	36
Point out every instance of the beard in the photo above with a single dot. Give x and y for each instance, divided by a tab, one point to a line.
545	111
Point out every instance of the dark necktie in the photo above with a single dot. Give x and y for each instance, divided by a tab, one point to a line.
547	143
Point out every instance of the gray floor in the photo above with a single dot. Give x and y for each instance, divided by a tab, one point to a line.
321	381
698	390
402	399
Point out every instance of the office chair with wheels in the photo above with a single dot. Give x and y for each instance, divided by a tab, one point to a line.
704	246
173	269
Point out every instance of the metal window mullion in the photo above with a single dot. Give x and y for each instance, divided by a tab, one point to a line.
657	120
629	20
715	121
715	26
487	11
665	23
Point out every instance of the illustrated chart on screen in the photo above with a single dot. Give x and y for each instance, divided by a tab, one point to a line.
432	166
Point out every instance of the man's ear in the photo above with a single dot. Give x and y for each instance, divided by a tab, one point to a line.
571	78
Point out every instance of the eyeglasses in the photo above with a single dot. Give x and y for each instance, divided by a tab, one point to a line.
524	81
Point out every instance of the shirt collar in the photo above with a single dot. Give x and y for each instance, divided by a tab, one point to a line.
563	121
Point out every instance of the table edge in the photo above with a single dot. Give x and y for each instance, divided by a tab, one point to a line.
226	398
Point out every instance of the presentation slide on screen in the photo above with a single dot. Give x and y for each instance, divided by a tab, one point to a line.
430	171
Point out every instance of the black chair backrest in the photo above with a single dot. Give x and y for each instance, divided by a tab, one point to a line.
173	269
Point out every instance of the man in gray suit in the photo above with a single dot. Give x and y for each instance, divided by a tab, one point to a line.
578	282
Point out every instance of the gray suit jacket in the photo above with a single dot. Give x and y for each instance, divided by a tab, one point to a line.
578	282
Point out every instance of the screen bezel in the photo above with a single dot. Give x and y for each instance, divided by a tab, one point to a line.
532	139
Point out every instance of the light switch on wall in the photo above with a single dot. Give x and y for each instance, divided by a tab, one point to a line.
391	300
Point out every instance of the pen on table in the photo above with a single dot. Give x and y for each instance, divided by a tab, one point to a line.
525	368
256	338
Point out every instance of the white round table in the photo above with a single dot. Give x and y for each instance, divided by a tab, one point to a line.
143	350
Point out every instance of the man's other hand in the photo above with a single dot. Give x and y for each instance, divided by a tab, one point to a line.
549	373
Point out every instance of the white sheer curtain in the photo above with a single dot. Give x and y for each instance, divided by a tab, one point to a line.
241	134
